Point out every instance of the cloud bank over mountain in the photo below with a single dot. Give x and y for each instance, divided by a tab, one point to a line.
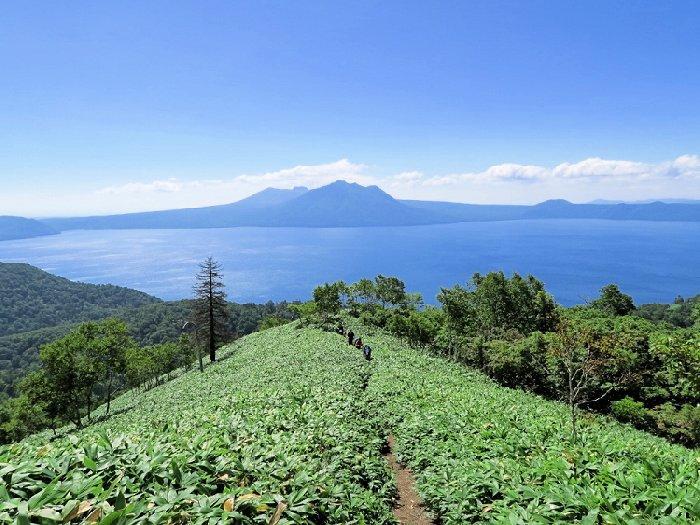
506	183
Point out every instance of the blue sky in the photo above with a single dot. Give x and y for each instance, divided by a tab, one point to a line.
148	105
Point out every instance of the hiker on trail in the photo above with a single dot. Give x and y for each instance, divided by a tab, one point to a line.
367	350
351	337
358	343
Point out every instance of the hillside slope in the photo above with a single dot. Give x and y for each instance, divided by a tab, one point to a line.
37	307
31	298
291	424
483	453
271	422
22	228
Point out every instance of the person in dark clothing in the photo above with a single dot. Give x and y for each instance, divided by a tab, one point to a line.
367	350
351	337
340	330
358	343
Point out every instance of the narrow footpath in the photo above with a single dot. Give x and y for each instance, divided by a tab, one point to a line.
409	508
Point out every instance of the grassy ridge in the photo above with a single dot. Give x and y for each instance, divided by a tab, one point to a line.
290	425
484	453
279	424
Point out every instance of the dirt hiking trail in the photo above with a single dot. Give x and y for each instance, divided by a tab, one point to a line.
409	507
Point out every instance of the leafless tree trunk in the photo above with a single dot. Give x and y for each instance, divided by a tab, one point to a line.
582	368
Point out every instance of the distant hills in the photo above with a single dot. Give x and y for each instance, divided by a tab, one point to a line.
646	201
562	209
343	204
21	228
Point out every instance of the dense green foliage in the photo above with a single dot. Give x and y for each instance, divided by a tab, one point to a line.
33	299
150	324
616	357
597	357
683	313
613	302
81	370
493	305
289	427
482	453
278	425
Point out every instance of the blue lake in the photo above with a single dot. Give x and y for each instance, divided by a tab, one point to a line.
653	261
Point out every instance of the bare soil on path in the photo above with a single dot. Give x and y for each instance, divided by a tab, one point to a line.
409	508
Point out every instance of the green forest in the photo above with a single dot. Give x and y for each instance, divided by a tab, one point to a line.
32	299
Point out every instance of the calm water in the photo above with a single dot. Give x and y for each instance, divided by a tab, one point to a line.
651	261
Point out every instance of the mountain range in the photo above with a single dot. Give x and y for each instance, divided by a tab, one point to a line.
344	204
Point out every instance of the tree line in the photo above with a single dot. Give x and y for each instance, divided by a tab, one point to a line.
605	356
88	364
37	307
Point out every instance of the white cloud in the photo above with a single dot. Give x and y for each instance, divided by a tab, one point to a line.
497	173
685	166
595	168
157	186
578	181
408	177
591	169
312	176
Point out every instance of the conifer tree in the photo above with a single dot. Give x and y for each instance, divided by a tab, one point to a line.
210	313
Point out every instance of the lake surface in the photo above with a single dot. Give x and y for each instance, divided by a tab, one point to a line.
652	261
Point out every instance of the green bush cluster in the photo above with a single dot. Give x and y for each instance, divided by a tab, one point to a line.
83	369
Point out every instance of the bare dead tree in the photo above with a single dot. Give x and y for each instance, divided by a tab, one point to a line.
583	370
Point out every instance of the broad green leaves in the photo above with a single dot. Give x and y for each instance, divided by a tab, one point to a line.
277	432
289	427
486	454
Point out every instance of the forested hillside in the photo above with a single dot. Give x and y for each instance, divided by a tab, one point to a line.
37	307
31	298
291	426
149	324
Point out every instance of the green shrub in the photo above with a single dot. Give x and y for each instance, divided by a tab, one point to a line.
680	424
271	321
630	411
